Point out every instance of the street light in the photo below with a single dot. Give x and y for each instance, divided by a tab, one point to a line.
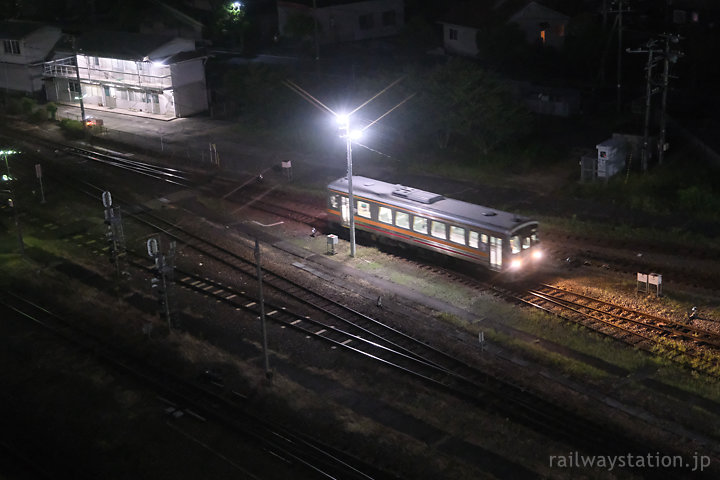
350	135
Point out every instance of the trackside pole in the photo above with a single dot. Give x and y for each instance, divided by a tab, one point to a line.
268	374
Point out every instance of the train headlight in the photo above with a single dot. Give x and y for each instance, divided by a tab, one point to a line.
516	264
537	254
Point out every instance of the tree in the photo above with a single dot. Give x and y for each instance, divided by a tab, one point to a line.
460	103
259	94
231	23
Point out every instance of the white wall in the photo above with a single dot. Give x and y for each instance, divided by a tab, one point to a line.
466	42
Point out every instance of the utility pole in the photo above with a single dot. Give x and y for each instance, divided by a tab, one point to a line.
669	56
655	55
315	31
619	13
651	61
77	77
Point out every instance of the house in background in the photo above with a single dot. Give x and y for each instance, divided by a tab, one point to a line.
160	18
26	45
132	72
540	24
344	21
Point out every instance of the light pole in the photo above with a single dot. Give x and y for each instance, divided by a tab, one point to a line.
344	122
77	78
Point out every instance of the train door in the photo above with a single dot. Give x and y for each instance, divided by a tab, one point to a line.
495	253
345	211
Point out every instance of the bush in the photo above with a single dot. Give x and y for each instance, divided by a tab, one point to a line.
51	109
28	105
72	128
38	116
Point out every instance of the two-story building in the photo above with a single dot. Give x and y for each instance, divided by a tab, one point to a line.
345	20
132	72
25	46
540	24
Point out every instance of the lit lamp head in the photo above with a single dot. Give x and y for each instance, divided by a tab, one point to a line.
343	120
344	124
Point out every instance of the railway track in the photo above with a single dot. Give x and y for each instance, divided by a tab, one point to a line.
493	392
179	394
685	343
344	328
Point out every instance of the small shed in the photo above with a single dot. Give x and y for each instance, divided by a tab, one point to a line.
611	156
610	159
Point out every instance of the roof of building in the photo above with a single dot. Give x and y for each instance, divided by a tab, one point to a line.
122	45
16	30
482	13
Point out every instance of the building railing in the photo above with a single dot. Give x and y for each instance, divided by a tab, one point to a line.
66	68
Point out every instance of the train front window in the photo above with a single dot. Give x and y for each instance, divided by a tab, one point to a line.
402	219
457	234
438	229
420	225
514	244
385	215
525	242
473	239
363	209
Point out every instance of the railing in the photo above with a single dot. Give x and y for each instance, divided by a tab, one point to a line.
67	69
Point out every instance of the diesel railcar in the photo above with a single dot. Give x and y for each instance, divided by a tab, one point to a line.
498	240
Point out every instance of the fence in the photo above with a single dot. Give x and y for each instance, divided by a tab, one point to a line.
200	152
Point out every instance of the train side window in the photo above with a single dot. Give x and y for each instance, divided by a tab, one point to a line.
473	239
363	209
385	215
514	244
457	234
402	219
484	238
334	201
437	229
420	225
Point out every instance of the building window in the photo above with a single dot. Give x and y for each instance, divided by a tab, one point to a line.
366	21
363	209
453	34
438	229
457	234
12	47
402	219
385	215
389	18
420	225
74	87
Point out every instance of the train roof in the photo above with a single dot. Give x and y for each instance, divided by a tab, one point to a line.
433	204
